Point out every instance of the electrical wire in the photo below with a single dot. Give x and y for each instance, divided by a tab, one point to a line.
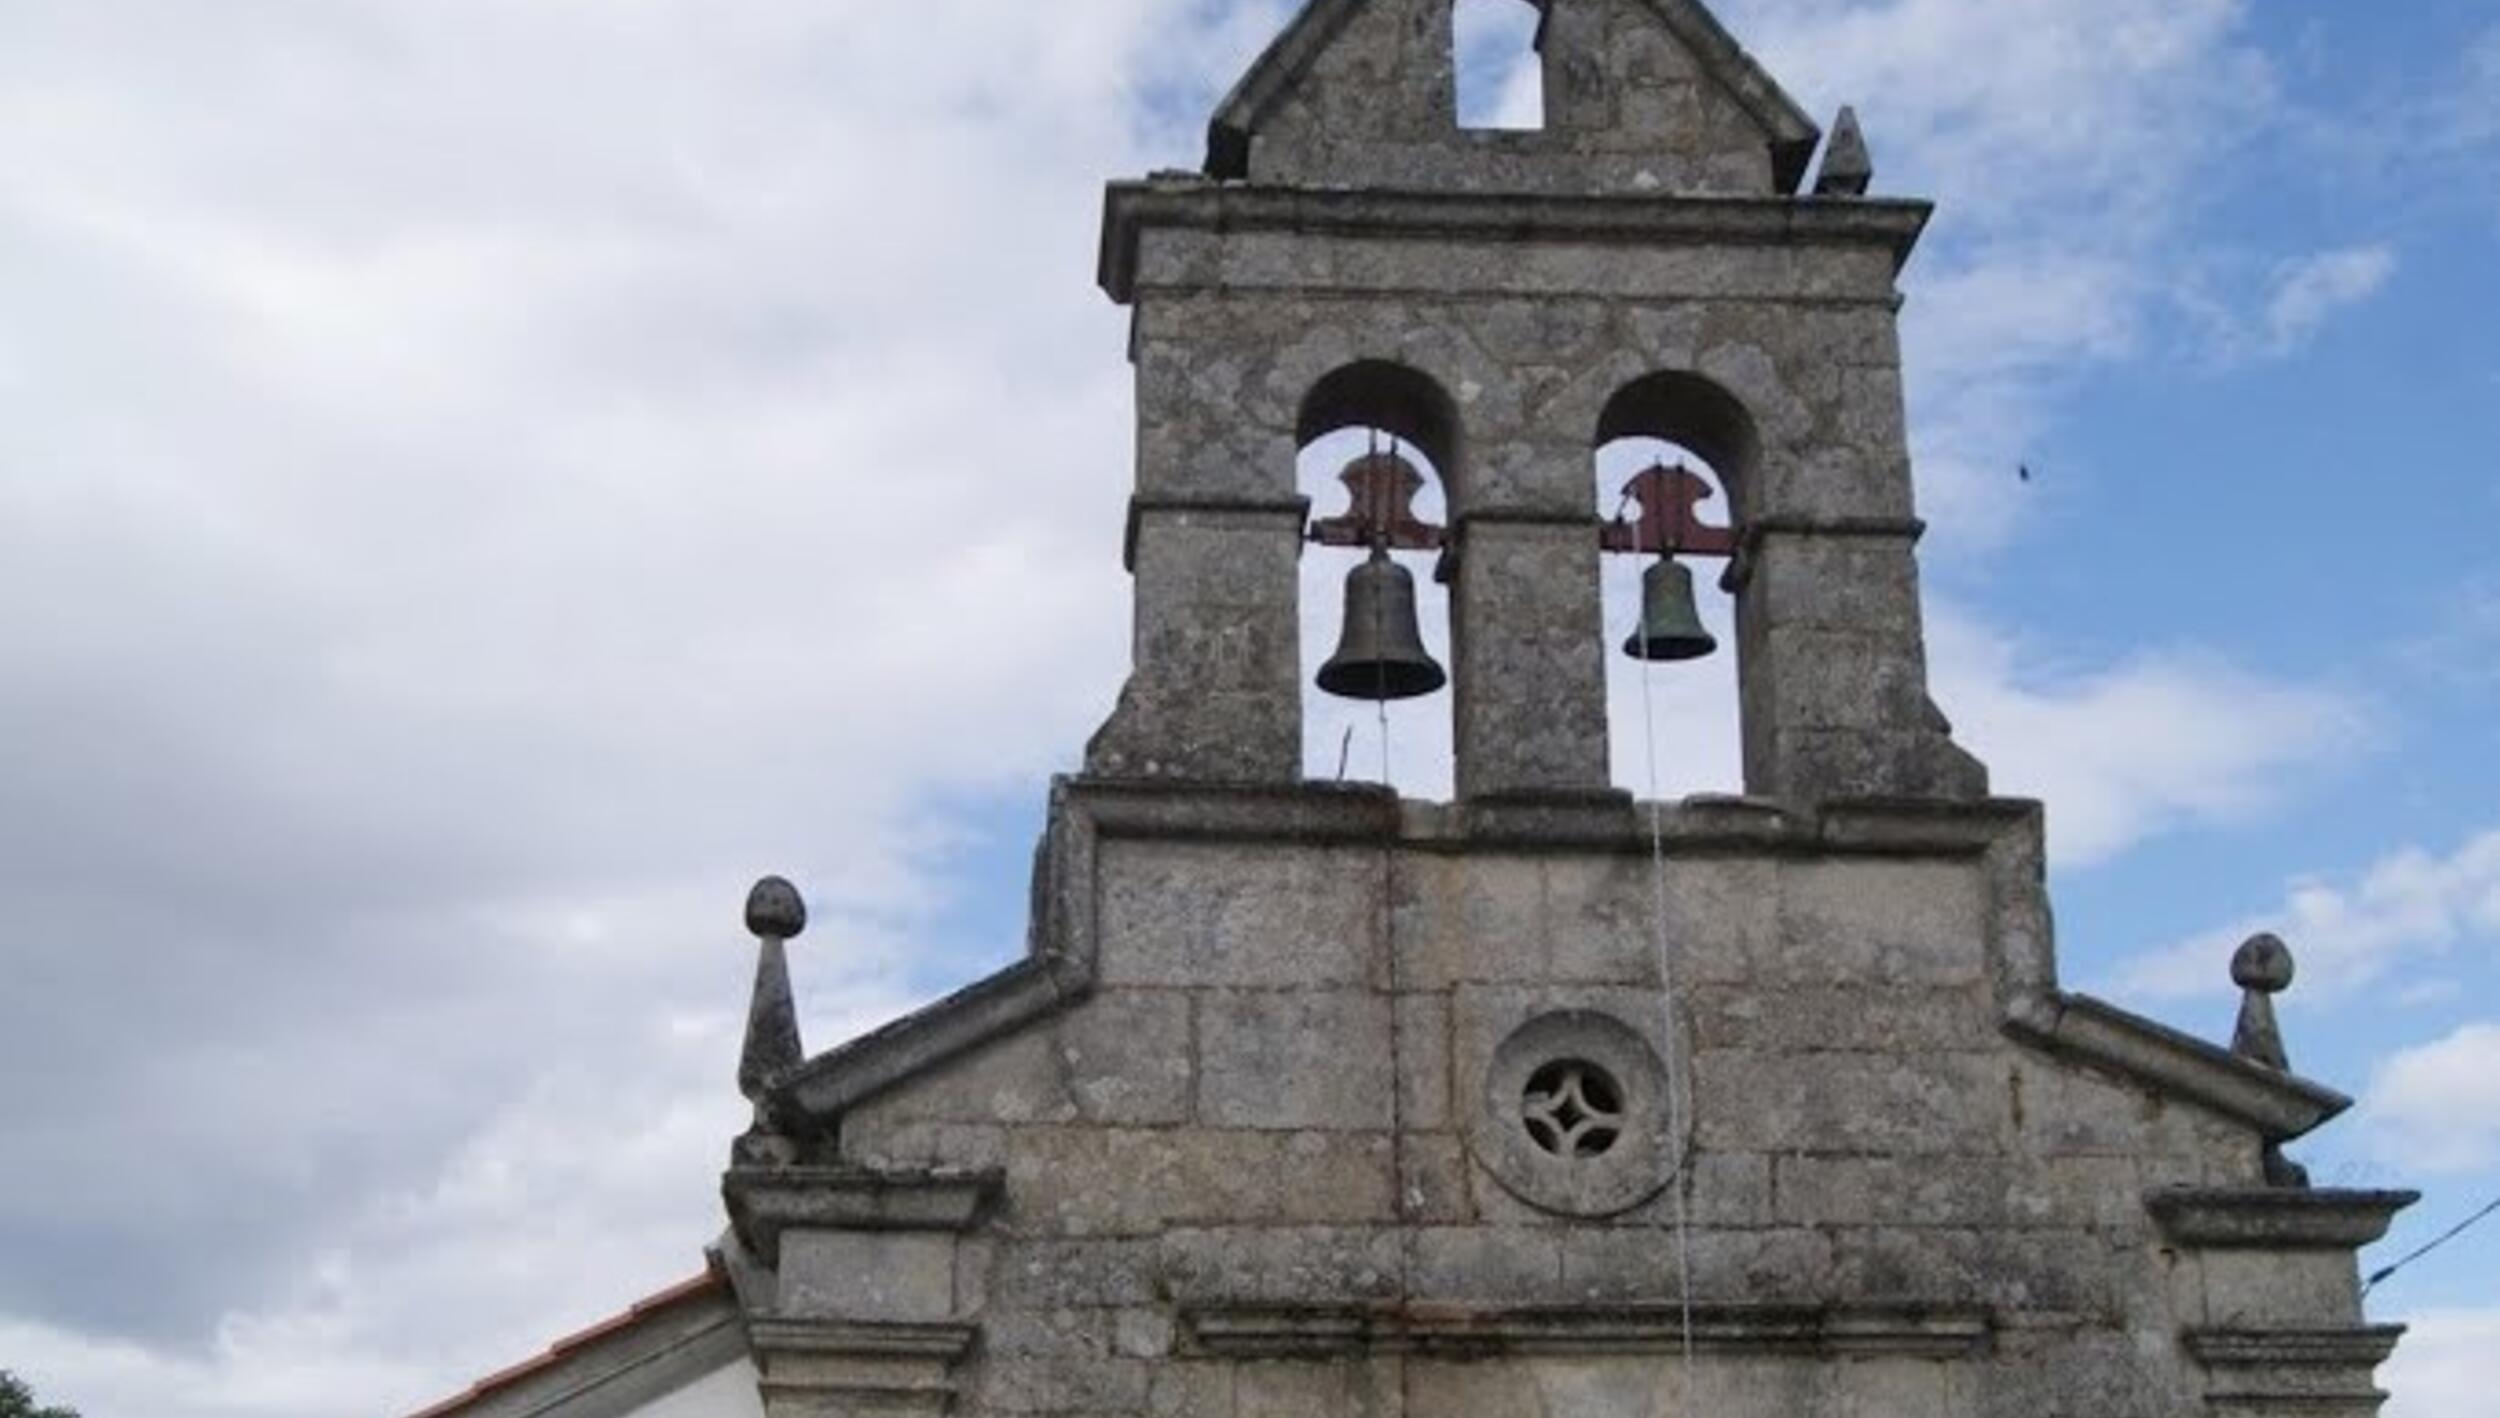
2444	1238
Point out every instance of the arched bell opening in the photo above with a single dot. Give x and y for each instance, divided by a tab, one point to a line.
1379	443
1497	64
1673	455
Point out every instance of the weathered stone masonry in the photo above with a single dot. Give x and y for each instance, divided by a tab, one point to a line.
1307	1101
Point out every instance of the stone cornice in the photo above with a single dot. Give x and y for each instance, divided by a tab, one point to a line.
2293	1370
2275	1218
1752	534
830	1083
1142	506
764	1202
946	1343
2280	1106
2300	1348
1604	819
1133	207
813	1365
1058	969
1282	1331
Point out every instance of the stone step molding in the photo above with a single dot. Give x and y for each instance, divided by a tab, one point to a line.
2271	1283
863	1313
823	1369
1322	1331
2316	1373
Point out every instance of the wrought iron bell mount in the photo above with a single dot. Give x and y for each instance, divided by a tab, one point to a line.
1380	651
1670	627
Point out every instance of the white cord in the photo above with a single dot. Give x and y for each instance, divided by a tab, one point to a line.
1677	1113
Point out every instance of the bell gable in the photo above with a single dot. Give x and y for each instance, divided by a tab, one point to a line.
1641	96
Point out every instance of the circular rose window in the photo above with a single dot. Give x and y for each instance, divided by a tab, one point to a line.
1572	1117
1573	1109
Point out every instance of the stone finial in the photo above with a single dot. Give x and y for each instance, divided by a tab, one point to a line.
1848	168
776	914
2262	969
775	910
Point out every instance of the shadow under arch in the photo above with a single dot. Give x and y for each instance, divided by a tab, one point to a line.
1396	399
1686	409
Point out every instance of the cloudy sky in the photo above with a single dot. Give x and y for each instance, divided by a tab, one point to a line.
480	480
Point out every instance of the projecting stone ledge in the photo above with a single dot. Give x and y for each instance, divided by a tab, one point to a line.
2272	1295
815	1368
1284	1331
2079	1027
2275	1219
860	1311
1133	209
764	1203
2320	1373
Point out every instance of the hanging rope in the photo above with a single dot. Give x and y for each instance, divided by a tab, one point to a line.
1678	1115
1408	1199
1380	635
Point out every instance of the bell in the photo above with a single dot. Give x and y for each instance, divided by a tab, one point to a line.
1382	654
1671	626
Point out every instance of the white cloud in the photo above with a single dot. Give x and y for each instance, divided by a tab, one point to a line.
2410	904
2309	292
2437	1106
2125	751
2461	646
2066	168
597	1182
2242	312
2094	110
2447	1367
2472	112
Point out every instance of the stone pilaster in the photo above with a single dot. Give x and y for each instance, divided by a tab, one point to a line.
1834	667
2325	1373
1527	630
814	1368
2270	1294
1214	694
865	1313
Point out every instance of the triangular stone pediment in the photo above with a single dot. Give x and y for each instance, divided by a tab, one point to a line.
1648	96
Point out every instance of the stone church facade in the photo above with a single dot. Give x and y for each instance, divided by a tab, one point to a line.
1307	1102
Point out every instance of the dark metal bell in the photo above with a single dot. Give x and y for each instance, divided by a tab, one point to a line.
1671	626
1381	655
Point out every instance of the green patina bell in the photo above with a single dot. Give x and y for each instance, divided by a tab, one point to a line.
1671	626
1381	655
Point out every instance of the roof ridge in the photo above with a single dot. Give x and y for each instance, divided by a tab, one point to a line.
715	1278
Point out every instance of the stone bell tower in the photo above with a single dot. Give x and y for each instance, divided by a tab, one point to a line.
1506	302
1304	1100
